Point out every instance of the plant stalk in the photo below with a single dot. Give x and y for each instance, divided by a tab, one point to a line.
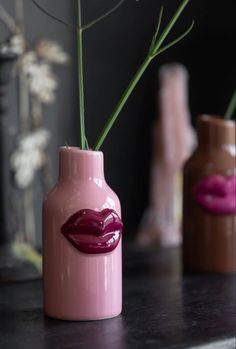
81	77
154	51
231	107
121	103
170	25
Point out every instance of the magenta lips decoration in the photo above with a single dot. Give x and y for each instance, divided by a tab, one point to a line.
91	231
217	194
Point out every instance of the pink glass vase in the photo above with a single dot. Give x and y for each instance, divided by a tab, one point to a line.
82	266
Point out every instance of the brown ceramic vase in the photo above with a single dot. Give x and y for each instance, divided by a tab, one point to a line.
209	207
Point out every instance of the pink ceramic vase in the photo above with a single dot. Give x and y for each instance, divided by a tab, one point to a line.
209	200
82	261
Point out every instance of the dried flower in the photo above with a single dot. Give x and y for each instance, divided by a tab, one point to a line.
41	80
15	45
52	52
28	59
29	157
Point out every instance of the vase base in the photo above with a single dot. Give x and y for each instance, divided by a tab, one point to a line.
62	318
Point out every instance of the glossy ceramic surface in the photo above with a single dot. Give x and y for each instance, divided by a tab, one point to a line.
77	285
209	219
91	231
216	194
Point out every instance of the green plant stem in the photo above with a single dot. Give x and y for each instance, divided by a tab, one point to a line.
170	25
121	103
81	78
154	51
108	13
74	27
174	42
157	28
231	107
53	16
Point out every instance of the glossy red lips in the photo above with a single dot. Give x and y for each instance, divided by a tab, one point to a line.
91	231
217	194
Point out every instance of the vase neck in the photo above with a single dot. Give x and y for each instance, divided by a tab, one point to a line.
215	132
76	164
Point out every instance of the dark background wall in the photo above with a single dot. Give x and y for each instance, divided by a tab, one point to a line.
113	51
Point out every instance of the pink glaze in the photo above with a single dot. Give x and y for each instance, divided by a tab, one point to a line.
79	286
93	232
217	194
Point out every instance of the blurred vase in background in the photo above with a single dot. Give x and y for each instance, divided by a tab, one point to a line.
209	221
173	141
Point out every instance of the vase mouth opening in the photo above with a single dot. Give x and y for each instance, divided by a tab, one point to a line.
76	150
214	131
215	120
76	163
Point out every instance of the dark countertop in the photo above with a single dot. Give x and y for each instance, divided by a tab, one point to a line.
162	309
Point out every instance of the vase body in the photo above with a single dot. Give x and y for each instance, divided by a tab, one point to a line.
78	285
209	202
162	219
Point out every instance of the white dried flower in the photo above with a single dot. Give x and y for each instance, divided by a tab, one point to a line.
28	59
5	48
15	45
52	52
41	80
29	157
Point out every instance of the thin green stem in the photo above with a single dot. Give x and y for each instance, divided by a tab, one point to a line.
53	16
157	28
108	13
121	103
154	50
231	107
74	27
81	78
174	42
86	144
169	26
